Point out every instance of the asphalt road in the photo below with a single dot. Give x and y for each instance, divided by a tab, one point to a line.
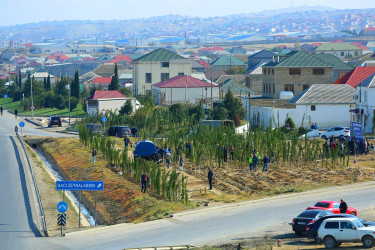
214	225
17	227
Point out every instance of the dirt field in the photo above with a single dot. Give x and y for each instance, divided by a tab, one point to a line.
232	183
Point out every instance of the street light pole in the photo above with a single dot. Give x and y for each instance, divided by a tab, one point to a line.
32	100
68	87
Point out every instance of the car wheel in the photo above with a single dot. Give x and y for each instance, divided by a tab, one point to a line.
60	125
329	242
338	244
353	213
368	241
298	233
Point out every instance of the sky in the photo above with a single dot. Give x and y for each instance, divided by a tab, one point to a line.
26	11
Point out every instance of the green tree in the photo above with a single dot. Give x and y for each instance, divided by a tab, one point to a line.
27	87
126	92
59	102
196	113
114	81
45	83
177	112
74	87
127	108
19	79
234	106
218	113
235	70
73	102
60	87
48	85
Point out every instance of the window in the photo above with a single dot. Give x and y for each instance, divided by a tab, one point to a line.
294	71
148	78
165	64
336	205
318	71
264	71
289	87
273	71
164	76
322	204
305	86
332	225
313	108
269	71
273	88
181	74
346	225
342	54
355	53
264	88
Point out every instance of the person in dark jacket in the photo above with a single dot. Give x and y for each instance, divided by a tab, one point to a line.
255	162
210	177
343	207
126	141
16	112
144	181
225	153
93	155
266	161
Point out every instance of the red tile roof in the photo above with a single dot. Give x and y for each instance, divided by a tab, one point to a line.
361	46
101	80
88	58
119	60
356	76
370	29
337	41
123	57
181	81
212	49
64	57
58	54
52	57
316	44
106	94
203	63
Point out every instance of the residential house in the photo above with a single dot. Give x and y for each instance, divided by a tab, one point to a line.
340	68
157	66
40	76
324	104
6	55
254	80
365	104
196	66
183	88
296	73
236	88
227	62
340	50
213	75
259	58
101	82
356	76
105	100
108	70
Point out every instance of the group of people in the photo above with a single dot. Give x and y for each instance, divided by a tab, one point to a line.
353	146
254	158
314	126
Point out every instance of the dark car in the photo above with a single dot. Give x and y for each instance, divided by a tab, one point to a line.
119	131
312	228
54	120
309	216
146	150
95	128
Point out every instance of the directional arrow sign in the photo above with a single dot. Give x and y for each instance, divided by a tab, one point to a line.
62	207
61	219
22	124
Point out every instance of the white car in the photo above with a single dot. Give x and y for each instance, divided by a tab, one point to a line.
334	231
311	133
336	132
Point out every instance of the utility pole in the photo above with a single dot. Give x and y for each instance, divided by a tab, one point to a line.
68	87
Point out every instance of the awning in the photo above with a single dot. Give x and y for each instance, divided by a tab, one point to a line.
356	111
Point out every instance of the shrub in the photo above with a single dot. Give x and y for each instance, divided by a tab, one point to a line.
17	96
237	120
289	120
59	102
73	102
302	131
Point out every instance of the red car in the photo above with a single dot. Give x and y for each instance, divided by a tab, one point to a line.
332	206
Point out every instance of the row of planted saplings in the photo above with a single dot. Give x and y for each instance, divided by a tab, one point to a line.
170	185
284	149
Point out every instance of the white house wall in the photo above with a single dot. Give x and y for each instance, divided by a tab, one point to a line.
325	116
177	95
367	103
140	69
112	105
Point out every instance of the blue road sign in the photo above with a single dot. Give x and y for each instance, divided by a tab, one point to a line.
80	185
5	96
104	119
22	124
62	207
356	130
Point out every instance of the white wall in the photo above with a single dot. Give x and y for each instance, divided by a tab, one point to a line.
367	103
325	116
111	104
177	95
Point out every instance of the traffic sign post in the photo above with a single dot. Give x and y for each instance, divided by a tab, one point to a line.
5	96
104	119
61	221
22	124
62	207
79	186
